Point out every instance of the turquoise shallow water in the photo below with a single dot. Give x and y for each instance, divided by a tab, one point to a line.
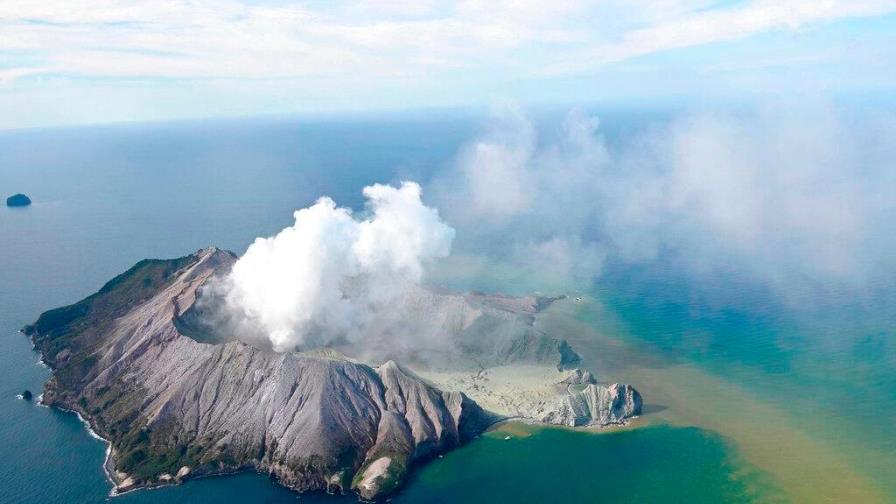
107	197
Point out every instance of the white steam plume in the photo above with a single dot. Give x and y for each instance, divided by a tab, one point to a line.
320	279
792	197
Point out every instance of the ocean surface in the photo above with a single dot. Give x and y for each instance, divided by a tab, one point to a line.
748	399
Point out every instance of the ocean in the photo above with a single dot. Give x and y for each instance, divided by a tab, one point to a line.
747	399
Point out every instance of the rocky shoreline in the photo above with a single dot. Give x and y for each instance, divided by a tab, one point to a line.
542	394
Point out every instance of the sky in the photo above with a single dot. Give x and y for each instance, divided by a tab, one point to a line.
96	61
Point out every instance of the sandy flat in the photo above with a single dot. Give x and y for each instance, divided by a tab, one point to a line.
518	390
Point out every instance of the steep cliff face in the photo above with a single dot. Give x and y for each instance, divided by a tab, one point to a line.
171	406
543	394
594	405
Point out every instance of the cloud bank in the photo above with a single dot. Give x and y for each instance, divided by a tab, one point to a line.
89	61
790	197
321	279
240	39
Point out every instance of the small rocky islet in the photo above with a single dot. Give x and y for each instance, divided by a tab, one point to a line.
18	200
172	406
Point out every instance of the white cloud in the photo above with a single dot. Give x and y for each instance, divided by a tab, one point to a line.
794	197
375	38
705	26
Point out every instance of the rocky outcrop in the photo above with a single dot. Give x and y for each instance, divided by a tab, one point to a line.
579	376
594	405
542	394
169	404
18	200
503	331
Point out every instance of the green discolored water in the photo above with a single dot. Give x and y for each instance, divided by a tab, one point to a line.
650	464
647	464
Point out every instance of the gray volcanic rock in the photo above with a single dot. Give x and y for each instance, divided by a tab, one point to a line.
579	376
594	405
448	330
537	393
171	405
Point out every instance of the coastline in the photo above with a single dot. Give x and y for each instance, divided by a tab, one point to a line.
90	430
108	470
108	467
529	393
509	423
515	425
